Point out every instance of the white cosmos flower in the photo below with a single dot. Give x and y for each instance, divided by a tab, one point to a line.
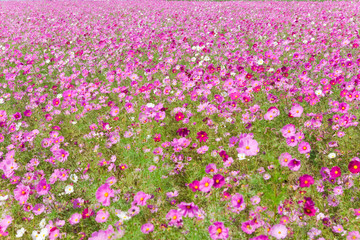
1	100
42	223
241	156
332	155
20	232
206	58
74	178
59	95
44	233
193	59
69	189
150	105
318	92
123	216
4	198
260	62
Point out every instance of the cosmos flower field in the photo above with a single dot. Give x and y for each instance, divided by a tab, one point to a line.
179	120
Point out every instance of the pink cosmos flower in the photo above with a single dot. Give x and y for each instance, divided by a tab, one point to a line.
272	113
3	116
284	159
338	228
292	141
21	193
38	209
218	231
278	231
248	227
102	216
43	188
294	165
5	222
296	111
141	198
206	184
114	111
237	200
248	146
288	130
304	147
255	200
61	155
147	228
54	233
104	193
75	218
174	217
354	235
211	168
202	150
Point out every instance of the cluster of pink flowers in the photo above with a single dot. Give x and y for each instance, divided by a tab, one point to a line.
234	120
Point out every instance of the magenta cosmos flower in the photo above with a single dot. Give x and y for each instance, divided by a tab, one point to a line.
103	194
306	180
304	147
194	186
335	172
202	136
183	132
219	181
147	228
188	209
218	231
248	146
354	166
179	116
